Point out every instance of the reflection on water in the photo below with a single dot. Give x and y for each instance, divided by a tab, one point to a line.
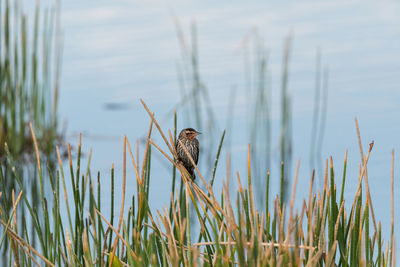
29	82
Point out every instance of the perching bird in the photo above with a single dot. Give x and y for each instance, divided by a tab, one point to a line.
188	139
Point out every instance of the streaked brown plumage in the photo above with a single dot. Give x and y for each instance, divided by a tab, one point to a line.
188	138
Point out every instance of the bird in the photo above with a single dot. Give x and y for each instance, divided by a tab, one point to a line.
188	139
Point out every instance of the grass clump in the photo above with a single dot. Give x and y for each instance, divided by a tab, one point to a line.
233	232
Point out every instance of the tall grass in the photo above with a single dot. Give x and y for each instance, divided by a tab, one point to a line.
29	69
30	50
233	231
69	227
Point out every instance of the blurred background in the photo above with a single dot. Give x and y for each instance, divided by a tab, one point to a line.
286	77
222	66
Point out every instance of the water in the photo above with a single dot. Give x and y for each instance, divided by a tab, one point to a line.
116	53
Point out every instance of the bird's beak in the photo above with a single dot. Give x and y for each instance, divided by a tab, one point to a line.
197	133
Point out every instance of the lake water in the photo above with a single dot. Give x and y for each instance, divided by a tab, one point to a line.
120	51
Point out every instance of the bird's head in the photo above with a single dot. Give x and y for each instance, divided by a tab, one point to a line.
189	133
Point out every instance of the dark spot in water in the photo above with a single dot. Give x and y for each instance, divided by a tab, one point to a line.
116	106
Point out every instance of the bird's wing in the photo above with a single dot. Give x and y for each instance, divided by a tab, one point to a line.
196	152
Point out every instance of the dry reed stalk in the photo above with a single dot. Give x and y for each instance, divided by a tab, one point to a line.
36	148
292	201
358	191
157	125
251	197
116	232
366	176
23	243
134	164
15	247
